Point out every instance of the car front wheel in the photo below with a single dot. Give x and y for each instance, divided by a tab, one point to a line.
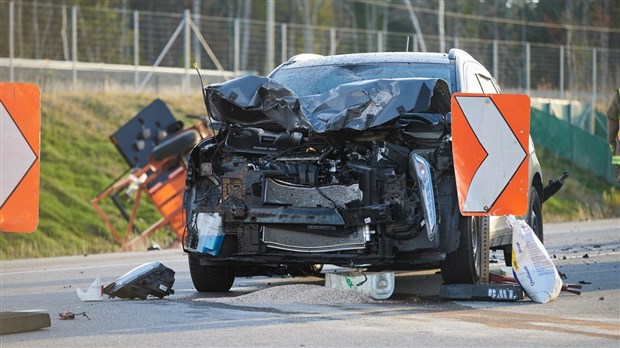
464	265
210	278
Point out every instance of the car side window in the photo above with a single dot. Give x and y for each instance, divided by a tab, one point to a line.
478	79
472	84
487	84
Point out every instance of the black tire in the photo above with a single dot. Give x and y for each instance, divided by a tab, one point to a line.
210	278
533	218
178	145
464	265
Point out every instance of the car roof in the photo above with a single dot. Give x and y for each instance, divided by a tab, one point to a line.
307	60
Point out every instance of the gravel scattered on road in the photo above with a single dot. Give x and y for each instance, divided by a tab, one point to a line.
297	294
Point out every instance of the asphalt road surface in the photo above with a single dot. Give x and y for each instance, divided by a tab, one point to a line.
586	252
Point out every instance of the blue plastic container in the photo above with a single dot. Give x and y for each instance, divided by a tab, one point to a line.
210	233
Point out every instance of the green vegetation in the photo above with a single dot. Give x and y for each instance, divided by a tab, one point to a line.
583	197
78	162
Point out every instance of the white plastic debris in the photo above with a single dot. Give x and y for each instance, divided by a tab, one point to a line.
93	293
376	285
531	265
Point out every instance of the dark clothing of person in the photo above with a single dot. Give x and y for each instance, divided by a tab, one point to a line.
613	136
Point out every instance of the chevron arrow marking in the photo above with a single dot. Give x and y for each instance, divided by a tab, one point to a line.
502	154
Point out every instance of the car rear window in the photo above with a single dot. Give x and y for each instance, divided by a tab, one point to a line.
311	80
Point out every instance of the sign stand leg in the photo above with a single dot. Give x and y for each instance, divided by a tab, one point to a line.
484	290
484	253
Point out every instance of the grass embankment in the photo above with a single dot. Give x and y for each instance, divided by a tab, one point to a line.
78	161
583	196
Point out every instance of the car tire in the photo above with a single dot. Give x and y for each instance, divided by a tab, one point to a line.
464	265
534	220
210	278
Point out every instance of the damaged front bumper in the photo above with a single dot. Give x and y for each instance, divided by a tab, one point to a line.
361	172
287	217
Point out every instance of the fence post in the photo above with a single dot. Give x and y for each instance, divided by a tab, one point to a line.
594	82
271	35
527	68
283	43
442	26
379	41
188	51
562	72
11	40
74	44
136	50
415	42
495	62
197	48
237	45
332	41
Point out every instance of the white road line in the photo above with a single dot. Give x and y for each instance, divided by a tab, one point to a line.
81	268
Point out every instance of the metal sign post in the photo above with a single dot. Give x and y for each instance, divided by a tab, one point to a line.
484	254
484	291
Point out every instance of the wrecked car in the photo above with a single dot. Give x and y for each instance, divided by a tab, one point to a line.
343	160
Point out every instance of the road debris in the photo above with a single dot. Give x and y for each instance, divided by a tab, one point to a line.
66	315
148	279
15	322
296	294
93	293
376	285
531	264
572	288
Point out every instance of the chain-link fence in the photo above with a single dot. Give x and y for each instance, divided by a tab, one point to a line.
91	49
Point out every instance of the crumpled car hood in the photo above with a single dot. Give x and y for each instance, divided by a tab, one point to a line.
262	102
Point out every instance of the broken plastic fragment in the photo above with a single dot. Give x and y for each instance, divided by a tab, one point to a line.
148	279
93	293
